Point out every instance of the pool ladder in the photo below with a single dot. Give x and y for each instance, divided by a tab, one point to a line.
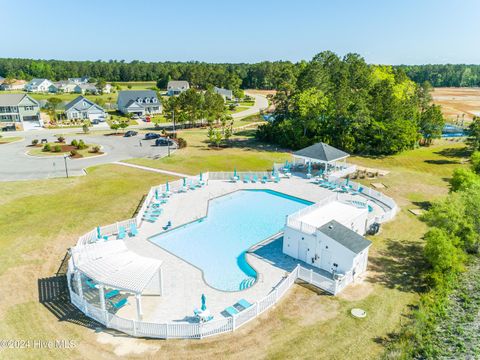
246	283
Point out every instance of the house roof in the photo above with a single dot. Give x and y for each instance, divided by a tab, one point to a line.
87	87
222	91
322	152
14	99
36	82
81	103
345	236
127	97
178	84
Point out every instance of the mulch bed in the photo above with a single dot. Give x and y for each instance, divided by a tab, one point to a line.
115	134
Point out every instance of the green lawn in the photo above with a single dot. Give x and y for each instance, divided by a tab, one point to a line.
237	109
244	154
9	139
38	151
39	220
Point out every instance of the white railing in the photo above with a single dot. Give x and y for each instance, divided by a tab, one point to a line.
293	222
183	330
343	171
228	175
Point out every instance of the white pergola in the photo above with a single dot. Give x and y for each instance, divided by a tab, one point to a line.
112	264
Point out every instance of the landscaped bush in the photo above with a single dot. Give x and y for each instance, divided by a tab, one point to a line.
73	152
61	139
96	149
74	143
182	143
57	148
81	145
34	142
47	147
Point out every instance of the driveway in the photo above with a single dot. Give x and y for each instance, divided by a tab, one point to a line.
261	103
16	165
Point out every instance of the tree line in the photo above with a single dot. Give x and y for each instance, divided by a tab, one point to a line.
354	106
263	75
449	75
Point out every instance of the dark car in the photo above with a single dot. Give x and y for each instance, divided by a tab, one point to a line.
151	136
130	133
161	141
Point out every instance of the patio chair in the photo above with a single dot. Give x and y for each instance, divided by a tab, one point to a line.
264	179
277	179
246	179
149	218
169	224
254	178
121	232
118	304
133	229
91	284
244	303
112	293
231	311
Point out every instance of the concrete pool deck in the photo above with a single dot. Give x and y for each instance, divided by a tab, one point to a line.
183	283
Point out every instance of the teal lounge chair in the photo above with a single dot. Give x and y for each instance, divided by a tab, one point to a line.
244	303
111	294
254	178
121	232
246	179
277	179
264	179
91	284
133	229
149	218
231	311
119	304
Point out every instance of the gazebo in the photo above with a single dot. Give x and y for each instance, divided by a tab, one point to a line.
322	153
112	264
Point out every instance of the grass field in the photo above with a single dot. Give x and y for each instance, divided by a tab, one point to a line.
39	220
9	139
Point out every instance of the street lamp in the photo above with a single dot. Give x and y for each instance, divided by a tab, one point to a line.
168	145
65	156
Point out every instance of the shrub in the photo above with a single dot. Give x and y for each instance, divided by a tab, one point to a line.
61	139
81	145
73	152
232	107
57	148
47	147
182	143
74	143
35	142
96	149
85	128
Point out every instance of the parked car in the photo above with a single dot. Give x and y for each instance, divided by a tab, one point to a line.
151	136
161	141
130	133
135	117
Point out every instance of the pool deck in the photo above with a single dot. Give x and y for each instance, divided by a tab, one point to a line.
183	282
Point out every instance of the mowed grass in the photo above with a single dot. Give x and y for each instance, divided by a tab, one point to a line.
244	154
9	139
39	220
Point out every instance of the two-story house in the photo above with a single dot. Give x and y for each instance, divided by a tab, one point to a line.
139	102
19	112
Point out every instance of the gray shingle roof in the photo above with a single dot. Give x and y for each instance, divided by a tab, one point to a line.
126	97
224	92
322	152
345	236
178	84
12	99
81	103
36	82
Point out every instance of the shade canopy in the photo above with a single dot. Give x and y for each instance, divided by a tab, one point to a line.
321	152
111	263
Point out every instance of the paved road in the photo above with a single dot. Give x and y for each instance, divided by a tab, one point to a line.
16	165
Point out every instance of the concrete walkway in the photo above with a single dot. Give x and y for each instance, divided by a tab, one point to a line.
146	168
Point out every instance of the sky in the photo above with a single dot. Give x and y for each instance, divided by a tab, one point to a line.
382	31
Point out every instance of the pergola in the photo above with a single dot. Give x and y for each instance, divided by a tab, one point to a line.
112	264
321	153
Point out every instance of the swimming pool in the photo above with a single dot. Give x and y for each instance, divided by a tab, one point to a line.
217	243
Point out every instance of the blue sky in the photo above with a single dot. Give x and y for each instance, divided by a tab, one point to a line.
383	31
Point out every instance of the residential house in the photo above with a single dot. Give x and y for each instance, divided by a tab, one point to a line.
86	88
13	85
82	108
38	85
19	112
107	89
2	79
79	80
64	86
226	94
176	87
139	102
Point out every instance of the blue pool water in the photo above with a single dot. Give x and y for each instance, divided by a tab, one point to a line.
217	243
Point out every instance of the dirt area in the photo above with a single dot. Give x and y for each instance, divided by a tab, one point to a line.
261	92
458	103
